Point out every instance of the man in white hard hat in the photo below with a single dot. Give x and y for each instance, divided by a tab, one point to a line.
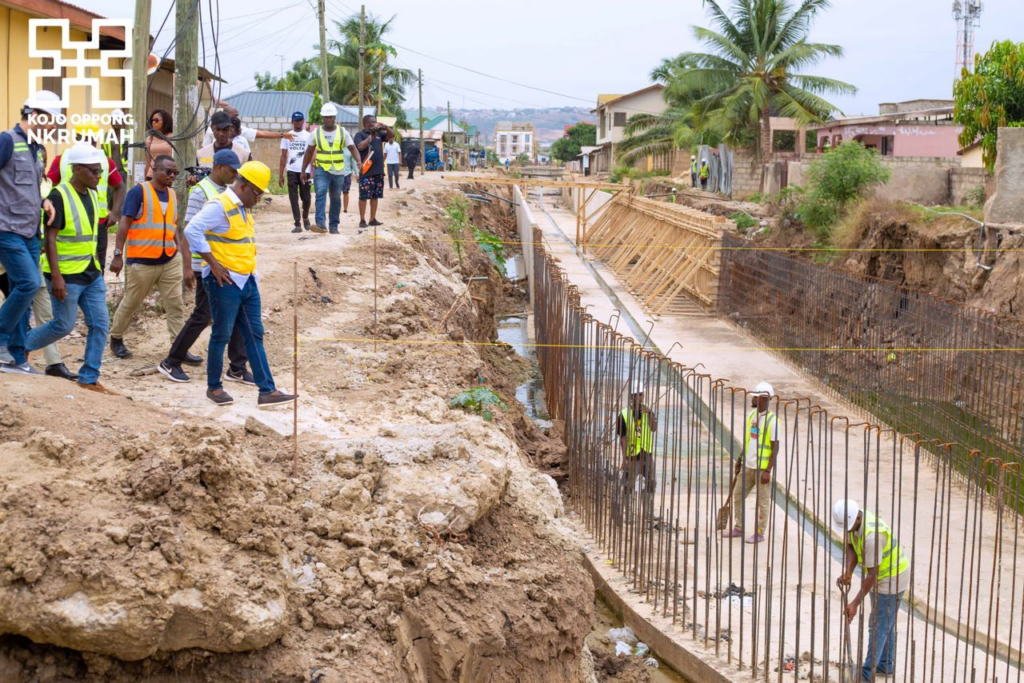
754	470
636	427
336	159
21	171
693	171
885	571
705	172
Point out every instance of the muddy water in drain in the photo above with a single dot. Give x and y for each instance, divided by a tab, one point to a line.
513	331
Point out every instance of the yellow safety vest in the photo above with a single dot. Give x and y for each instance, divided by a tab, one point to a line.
236	248
76	241
330	157
207	187
887	568
693	167
101	189
764	444
704	171
639	438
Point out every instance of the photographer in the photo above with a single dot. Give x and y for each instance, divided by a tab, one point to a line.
370	141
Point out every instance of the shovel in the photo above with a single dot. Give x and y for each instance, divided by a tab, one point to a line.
849	668
722	518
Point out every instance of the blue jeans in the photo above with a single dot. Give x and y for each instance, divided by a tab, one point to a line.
227	304
92	299
20	258
882	634
324	183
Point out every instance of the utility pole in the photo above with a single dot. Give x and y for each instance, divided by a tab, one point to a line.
140	62
380	85
423	143
186	91
451	151
362	66
280	84
324	84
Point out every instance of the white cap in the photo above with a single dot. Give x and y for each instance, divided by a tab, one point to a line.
84	153
764	389
44	100
844	515
328	109
636	386
693	158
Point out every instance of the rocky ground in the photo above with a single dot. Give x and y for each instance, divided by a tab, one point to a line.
154	536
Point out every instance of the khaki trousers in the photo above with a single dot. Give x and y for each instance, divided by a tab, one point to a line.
139	281
746	481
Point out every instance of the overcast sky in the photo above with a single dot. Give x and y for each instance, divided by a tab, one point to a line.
895	49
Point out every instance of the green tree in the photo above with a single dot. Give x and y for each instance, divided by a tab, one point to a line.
840	176
753	70
568	148
314	109
991	97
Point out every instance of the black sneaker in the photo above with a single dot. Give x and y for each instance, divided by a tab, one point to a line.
375	222
219	397
118	348
334	231
298	229
173	372
245	377
274	399
305	223
61	370
362	224
192	359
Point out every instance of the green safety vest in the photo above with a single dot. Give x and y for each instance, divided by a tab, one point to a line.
639	438
108	149
764	444
209	188
693	167
76	241
887	568
101	189
704	171
330	158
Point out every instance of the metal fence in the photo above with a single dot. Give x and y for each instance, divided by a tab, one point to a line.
921	364
771	609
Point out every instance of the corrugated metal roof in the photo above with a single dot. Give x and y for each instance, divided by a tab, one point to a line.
270	103
348	114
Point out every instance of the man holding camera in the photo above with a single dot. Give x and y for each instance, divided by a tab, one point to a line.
370	141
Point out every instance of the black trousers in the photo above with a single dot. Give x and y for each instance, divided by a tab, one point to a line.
102	237
298	190
394	170
412	167
200	319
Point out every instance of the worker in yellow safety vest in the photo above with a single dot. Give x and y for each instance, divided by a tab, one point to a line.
332	173
754	470
636	427
705	171
693	171
885	570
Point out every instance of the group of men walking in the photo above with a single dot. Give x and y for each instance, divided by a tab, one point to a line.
219	242
868	541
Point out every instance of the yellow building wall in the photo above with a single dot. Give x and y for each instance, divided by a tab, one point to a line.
972	158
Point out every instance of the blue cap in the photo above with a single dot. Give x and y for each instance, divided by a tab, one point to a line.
226	157
298	116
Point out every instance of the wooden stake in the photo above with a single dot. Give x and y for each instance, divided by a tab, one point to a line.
375	289
295	367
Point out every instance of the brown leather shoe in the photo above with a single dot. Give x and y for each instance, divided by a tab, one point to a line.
98	388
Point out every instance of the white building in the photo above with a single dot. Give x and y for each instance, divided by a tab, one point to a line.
513	138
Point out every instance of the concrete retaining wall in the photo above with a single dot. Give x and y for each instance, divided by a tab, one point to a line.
525	223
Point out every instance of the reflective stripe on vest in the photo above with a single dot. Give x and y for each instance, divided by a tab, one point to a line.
330	158
236	248
76	241
101	189
639	438
210	190
887	568
152	235
764	444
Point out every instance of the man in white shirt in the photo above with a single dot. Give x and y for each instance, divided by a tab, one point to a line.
393	159
292	153
754	472
247	134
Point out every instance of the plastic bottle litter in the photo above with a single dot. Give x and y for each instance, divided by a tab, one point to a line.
624	634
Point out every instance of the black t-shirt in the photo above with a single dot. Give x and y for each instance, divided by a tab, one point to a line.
92	272
377	145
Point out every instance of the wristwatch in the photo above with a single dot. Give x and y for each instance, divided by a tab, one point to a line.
117	252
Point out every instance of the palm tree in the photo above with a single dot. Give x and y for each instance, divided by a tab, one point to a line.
753	70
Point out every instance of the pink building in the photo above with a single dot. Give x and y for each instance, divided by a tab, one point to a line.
918	128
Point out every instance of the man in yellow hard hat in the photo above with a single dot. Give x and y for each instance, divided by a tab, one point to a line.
223	233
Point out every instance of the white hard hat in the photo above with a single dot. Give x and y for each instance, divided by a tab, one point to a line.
117	116
84	153
636	386
693	158
844	515
765	389
328	109
44	100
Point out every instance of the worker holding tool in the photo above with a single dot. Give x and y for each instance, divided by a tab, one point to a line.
636	428
885	569
754	471
224	234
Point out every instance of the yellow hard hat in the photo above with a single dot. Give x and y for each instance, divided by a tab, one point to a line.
86	128
257	173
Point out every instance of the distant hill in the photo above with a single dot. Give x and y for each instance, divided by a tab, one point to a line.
550	123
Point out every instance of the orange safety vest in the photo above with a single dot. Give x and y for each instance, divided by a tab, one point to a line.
152	235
